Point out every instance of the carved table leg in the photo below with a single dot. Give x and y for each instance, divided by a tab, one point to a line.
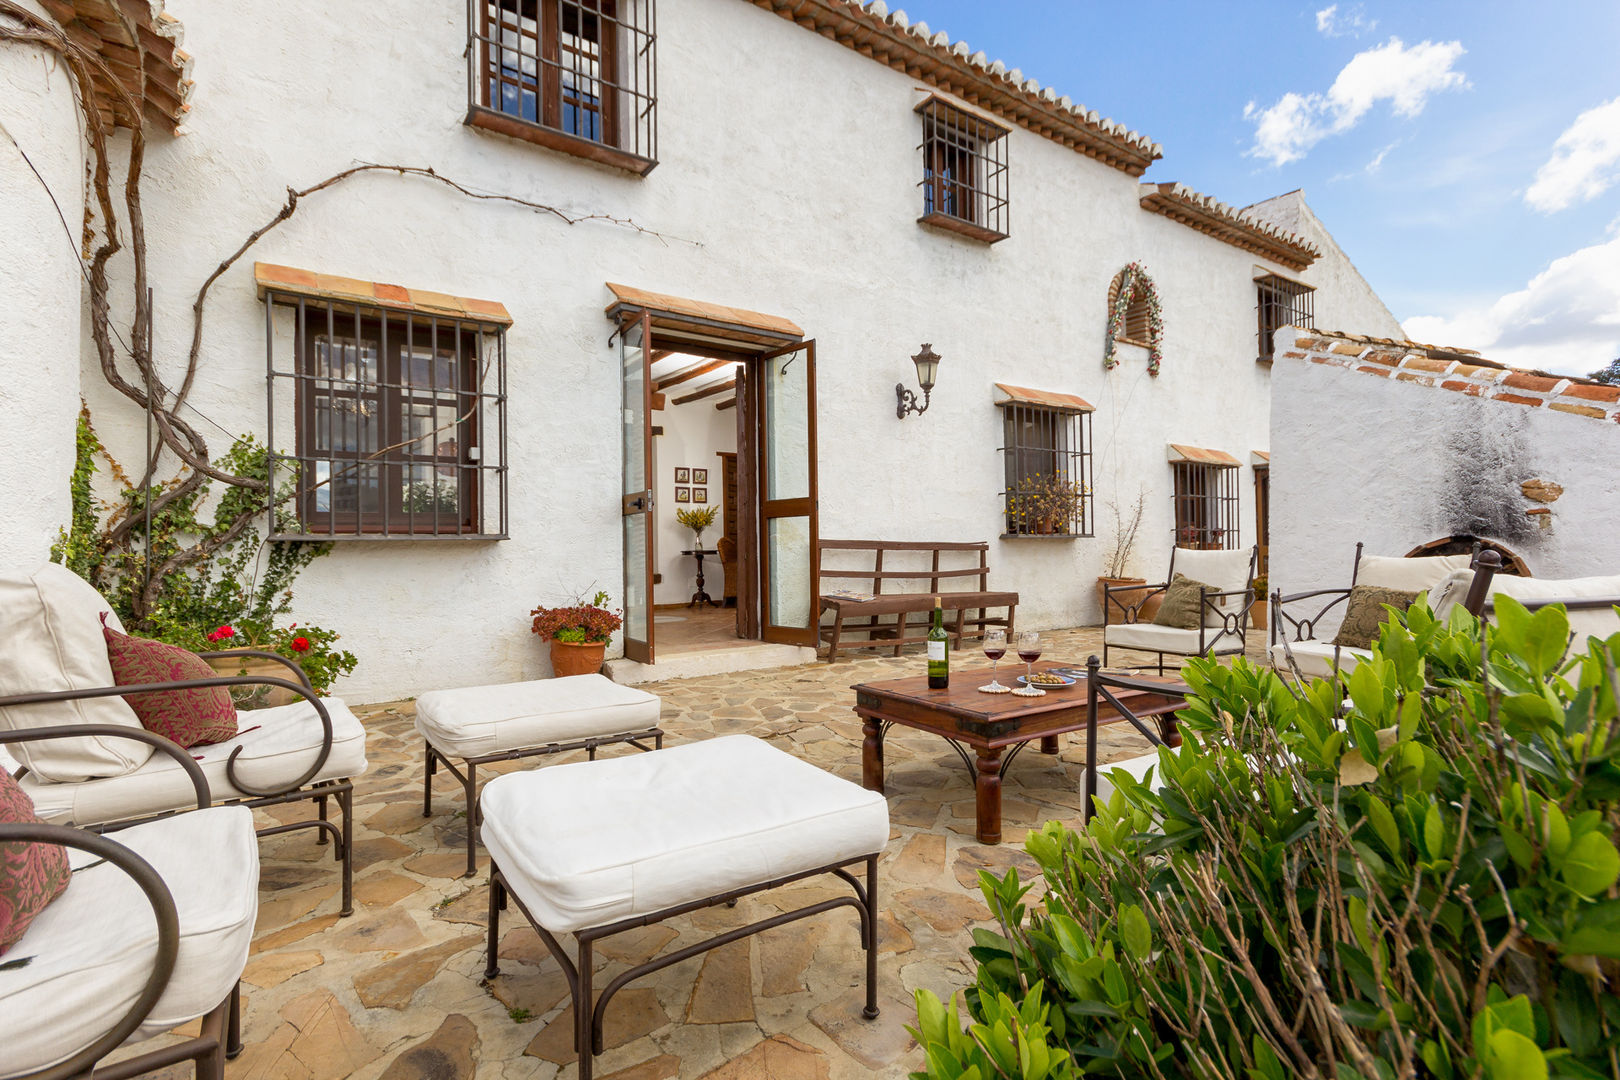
1049	744
872	754
1169	730
987	794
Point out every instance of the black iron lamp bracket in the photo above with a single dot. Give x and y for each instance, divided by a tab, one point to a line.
908	401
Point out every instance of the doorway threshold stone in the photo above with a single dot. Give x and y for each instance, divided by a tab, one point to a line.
745	656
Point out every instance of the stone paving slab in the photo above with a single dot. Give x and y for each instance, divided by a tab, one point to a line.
397	991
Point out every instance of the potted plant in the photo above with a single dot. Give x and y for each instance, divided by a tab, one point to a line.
310	647
578	632
697	521
1126	526
1262	602
1044	505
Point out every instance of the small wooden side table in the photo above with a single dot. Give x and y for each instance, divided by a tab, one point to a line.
701	597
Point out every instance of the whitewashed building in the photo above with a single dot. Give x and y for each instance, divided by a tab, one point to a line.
869	184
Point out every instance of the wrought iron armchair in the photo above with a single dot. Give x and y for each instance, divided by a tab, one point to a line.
304	786
1224	612
1100	687
220	1035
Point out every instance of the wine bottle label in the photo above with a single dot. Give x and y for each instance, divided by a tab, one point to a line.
936	650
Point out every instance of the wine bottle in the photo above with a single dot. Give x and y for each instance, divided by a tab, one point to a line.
939	664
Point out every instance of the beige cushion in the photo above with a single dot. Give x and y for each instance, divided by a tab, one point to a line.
1408	575
590	843
278	745
1183	604
1364	613
1169	639
478	720
91	950
1225	570
1315	659
1598	622
50	639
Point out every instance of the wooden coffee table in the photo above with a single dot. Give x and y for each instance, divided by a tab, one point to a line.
993	726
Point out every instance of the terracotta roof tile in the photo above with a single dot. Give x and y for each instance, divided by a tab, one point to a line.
289	279
1240	228
139	42
678	305
1048	398
1199	454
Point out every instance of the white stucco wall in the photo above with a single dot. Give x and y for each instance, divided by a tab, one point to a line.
693	434
1395	464
40	300
787	184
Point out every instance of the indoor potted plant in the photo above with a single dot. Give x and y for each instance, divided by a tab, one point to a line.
1119	561
697	521
578	632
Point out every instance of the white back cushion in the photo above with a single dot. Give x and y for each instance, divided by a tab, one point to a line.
1597	622
50	639
1408	575
1225	570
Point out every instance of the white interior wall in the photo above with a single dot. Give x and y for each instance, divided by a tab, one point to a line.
787	184
693	435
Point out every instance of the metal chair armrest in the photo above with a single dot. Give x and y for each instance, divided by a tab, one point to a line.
193	771
168	927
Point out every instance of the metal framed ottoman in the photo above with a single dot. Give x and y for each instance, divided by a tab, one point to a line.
596	848
479	725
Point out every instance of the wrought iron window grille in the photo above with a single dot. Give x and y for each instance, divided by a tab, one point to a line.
396	423
576	75
964	178
1281	302
1206	505
1047	461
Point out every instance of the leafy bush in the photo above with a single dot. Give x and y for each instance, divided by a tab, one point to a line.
1423	886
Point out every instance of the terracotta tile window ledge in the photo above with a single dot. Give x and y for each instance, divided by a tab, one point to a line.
480	116
954	224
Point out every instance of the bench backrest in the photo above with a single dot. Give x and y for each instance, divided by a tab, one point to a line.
898	561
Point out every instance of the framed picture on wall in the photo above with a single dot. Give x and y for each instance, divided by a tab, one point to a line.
683	476
699	495
700	476
683	494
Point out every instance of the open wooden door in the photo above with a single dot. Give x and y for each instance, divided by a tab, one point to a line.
748	622
636	500
785	400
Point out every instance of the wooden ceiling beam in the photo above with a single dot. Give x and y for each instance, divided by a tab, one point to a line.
729	403
708	391
690	372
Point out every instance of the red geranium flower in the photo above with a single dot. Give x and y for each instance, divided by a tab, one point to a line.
300	644
222	632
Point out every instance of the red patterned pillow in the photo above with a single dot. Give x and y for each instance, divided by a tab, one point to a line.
31	875
187	717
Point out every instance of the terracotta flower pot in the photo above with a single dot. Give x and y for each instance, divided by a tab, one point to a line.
570	658
1257	613
1111	610
256	697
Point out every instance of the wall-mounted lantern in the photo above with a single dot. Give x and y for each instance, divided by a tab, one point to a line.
927	363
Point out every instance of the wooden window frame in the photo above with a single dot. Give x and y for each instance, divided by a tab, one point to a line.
1280	302
476	465
625	75
1138	316
1062	444
1205	505
957	142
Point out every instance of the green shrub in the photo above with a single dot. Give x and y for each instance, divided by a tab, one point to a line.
1422	887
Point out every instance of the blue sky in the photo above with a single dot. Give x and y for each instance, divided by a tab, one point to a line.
1459	152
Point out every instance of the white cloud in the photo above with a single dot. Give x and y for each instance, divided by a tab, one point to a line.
1585	161
1404	77
1353	22
1567	319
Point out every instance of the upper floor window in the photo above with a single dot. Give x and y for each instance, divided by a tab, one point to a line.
396	419
1046	457
1138	322
1281	302
574	75
964	180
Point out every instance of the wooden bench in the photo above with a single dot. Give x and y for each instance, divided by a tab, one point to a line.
864	614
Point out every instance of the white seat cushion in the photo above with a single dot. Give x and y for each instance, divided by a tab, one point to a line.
278	745
478	720
93	947
1315	658
590	843
1169	639
50	640
1408	575
1224	569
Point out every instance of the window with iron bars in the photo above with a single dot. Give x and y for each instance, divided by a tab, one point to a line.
574	75
1047	460
1206	505
964	182
397	422
1281	302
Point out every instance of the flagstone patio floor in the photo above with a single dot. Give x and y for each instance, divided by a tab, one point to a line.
397	990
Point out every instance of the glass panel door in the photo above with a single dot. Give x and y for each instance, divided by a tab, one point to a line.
636	494
788	522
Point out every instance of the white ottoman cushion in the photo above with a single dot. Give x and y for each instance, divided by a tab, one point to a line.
478	720
590	843
278	746
50	622
92	948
